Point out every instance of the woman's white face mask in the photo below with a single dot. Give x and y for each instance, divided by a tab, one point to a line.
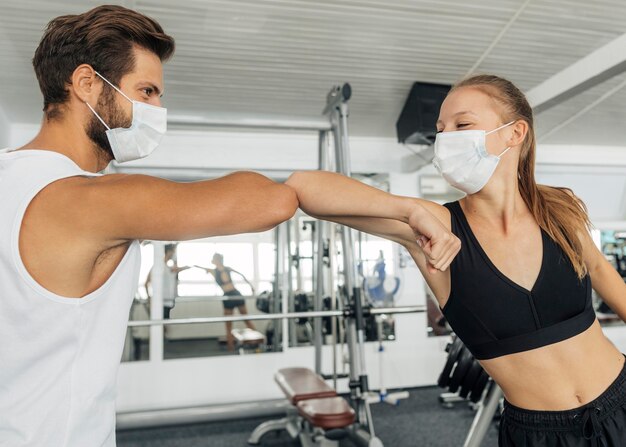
462	158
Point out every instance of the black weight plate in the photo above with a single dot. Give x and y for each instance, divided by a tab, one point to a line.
462	367
470	379
479	387
455	350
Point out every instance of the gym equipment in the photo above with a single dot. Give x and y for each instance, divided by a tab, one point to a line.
248	339
345	301
462	373
453	349
465	378
320	418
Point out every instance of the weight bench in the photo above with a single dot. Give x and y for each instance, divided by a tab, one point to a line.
248	339
318	416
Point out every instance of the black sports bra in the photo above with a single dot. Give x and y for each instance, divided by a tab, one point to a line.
218	276
494	316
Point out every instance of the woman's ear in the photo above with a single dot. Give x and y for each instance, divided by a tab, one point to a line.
520	129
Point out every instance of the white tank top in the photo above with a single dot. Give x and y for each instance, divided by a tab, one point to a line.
170	289
59	356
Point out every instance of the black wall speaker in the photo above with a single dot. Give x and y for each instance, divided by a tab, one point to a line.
417	122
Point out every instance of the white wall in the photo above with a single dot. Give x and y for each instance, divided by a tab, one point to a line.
206	152
5	130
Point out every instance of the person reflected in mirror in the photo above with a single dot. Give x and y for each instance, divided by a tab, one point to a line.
222	275
170	280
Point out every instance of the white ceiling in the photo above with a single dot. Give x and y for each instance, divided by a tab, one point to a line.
278	58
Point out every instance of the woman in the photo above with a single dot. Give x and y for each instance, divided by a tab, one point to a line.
233	300
522	262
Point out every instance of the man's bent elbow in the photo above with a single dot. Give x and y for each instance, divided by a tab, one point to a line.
286	203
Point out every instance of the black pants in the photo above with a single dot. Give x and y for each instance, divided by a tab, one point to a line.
602	422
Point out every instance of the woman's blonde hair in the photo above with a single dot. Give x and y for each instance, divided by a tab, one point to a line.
557	210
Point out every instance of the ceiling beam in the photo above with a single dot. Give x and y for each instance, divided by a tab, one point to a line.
591	70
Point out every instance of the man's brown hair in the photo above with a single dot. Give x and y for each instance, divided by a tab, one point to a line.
103	38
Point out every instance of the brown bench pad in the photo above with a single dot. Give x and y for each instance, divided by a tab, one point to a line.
302	384
327	413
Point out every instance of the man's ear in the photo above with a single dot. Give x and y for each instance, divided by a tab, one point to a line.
85	85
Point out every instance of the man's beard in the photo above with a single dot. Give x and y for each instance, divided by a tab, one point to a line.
113	116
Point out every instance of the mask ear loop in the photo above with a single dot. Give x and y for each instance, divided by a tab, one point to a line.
97	116
497	129
118	90
504	152
486	133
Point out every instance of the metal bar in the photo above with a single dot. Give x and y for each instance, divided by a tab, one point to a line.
318	262
332	254
276	292
291	299
278	316
397	310
484	416
312	125
156	302
336	96
224	412
319	293
284	286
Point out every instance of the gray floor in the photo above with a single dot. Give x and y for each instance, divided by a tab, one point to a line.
417	421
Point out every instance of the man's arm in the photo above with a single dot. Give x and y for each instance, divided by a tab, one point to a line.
118	208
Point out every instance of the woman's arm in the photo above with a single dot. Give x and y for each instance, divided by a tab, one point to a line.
604	278
245	279
414	223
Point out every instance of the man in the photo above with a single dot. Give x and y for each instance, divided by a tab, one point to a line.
69	256
169	280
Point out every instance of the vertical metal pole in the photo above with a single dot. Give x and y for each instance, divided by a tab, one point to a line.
319	262
289	225
348	256
295	258
286	281
156	302
276	298
356	326
332	253
484	416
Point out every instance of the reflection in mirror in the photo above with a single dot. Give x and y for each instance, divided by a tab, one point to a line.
229	276
613	245
313	270
137	338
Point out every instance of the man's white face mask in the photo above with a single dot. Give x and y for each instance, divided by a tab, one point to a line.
462	158
149	124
